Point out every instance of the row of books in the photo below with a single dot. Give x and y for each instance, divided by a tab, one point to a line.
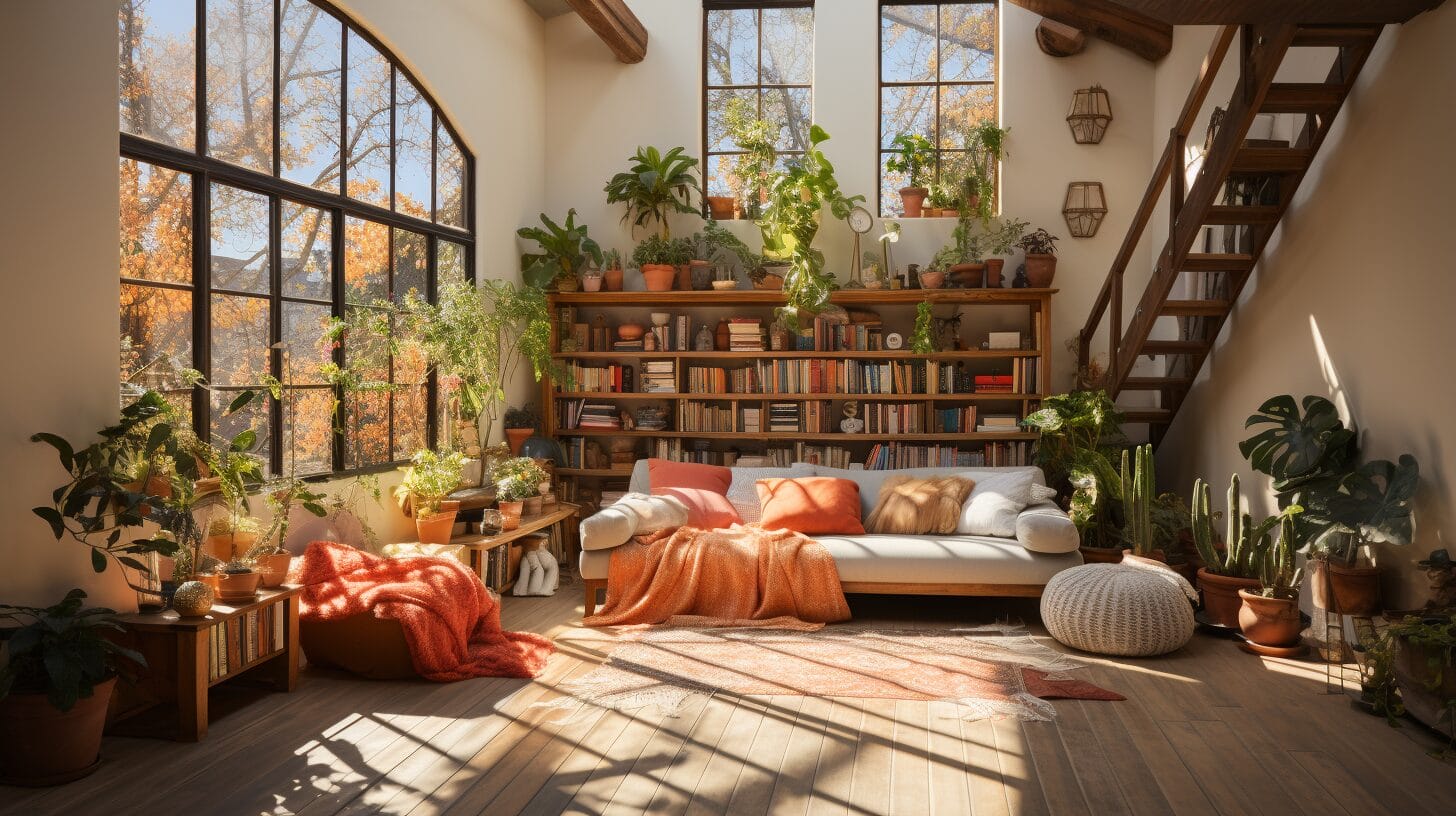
802	417
497	567
603	379
893	417
895	455
826	455
706	417
828	335
858	377
237	642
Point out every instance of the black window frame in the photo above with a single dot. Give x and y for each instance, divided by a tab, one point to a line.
995	84
204	171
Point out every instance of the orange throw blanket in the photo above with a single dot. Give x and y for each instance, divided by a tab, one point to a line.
738	573
452	624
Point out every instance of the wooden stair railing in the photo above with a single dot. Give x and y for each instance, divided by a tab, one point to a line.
1230	157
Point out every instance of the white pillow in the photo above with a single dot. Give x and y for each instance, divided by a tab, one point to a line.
992	508
743	494
1041	493
633	514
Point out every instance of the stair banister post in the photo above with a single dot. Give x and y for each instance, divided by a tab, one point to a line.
1114	330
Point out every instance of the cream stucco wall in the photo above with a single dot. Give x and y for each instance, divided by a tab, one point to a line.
1353	298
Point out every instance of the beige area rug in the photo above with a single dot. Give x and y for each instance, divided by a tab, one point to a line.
994	671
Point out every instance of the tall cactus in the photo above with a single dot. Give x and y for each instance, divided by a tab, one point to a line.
1139	489
1277	574
1246	544
1202	524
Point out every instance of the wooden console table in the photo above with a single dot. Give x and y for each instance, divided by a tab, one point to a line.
555	523
188	656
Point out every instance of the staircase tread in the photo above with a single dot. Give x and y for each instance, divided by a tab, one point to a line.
1218	262
1271	160
1194	308
1242	214
1302	97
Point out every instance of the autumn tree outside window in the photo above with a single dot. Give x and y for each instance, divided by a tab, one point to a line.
316	179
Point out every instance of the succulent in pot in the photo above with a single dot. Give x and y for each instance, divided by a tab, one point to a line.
1236	566
612	270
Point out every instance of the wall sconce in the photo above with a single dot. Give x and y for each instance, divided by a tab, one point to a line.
1084	208
1090	115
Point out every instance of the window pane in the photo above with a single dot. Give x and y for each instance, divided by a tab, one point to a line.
907	43
410	413
240	82
366	261
968	42
789	109
369	107
788	46
449	261
890	184
450	185
413	120
411	264
962	107
156	223
720	179
366	429
733	47
156	336
307	252
308	431
239	240
906	110
718	101
310	41
239	340
307	350
254	417
157	85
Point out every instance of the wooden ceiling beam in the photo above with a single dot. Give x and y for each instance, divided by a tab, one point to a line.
1304	12
618	27
1058	40
1145	36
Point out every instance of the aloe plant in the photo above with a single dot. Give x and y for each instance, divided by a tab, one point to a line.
656	185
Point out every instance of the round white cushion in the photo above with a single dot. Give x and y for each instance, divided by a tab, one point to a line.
1133	609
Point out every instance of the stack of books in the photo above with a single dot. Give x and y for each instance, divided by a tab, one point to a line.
999	423
659	377
598	415
783	417
745	334
651	418
995	384
627	345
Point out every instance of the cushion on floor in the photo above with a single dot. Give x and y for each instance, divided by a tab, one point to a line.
1137	608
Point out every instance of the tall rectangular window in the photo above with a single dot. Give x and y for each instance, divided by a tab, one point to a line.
758	66
938	80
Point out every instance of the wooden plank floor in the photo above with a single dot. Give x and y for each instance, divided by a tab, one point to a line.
1208	730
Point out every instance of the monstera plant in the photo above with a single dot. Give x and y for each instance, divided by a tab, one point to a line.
1306	452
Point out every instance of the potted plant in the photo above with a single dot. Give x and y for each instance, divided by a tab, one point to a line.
612	270
1041	257
1269	615
1236	566
231	535
1080	435
943	201
1139	490
565	251
656	185
752	169
915	159
985	147
591	279
237	580
520	423
429	478
55	687
1413	671
516	480
658	258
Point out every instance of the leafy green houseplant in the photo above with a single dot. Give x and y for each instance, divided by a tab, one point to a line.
1041	257
914	158
658	258
55	687
1413	671
656	185
566	250
922	340
1080	437
517	480
985	149
428	481
751	168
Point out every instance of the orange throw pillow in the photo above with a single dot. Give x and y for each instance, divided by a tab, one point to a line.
706	510
816	504
914	506
665	473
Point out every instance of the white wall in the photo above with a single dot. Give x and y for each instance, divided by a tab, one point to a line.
1353	298
601	110
58	224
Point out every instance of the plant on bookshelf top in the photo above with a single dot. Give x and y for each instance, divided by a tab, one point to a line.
656	250
751	168
985	148
1080	435
1041	257
611	259
718	245
973	242
656	185
1038	242
566	250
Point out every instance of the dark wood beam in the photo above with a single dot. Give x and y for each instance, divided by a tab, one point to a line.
1058	40
1304	12
1147	37
618	27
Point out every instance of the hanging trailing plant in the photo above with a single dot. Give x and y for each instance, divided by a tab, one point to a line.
922	340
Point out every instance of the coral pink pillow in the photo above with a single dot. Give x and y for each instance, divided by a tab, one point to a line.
816	504
706	510
663	473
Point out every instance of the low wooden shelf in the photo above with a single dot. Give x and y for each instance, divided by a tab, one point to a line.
556	522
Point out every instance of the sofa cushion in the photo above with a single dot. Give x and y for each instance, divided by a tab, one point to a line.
631	515
952	559
743	490
992	507
810	505
667	473
707	509
1044	528
919	505
869	481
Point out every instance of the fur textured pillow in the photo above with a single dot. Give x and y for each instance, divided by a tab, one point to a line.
911	505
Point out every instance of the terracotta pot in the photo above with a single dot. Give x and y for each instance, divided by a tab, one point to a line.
591	283
1100	555
914	200
435	529
658	277
721	207
967	275
993	272
42	745
683	282
1269	621
769	281
932	279
238	586
1040	270
510	514
612	279
1221	596
275	568
1352	590
227	546
531	506
516	437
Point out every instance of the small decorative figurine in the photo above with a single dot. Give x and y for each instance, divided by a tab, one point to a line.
704	339
1020	281
851	424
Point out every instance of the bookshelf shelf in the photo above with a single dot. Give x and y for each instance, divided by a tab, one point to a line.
845	438
842	297
977	354
788	397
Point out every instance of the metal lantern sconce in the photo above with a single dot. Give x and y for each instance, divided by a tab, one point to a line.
1090	115
1085	208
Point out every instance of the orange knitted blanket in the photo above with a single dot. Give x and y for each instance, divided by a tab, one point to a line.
738	573
450	620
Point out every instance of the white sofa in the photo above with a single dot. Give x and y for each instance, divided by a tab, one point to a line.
1045	544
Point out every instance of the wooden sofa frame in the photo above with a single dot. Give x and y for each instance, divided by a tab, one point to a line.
597	585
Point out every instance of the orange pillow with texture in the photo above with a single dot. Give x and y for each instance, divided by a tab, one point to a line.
816	504
662	473
706	510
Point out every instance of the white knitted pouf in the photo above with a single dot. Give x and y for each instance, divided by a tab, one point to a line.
1133	609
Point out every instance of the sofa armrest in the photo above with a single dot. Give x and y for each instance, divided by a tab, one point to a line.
1044	528
633	514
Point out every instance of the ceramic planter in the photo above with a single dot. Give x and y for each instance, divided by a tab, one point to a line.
967	275
1269	621
435	529
591	283
721	207
274	568
238	586
1221	600
510	512
517	437
1350	590
932	279
612	279
531	506
658	277
993	272
42	745
1040	269
913	199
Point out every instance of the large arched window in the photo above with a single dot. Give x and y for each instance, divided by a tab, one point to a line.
279	169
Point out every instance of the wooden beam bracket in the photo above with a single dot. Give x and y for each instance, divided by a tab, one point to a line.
618	27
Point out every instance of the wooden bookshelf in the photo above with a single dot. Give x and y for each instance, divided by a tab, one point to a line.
1025	310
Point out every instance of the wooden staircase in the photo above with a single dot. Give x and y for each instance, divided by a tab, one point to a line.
1244	187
